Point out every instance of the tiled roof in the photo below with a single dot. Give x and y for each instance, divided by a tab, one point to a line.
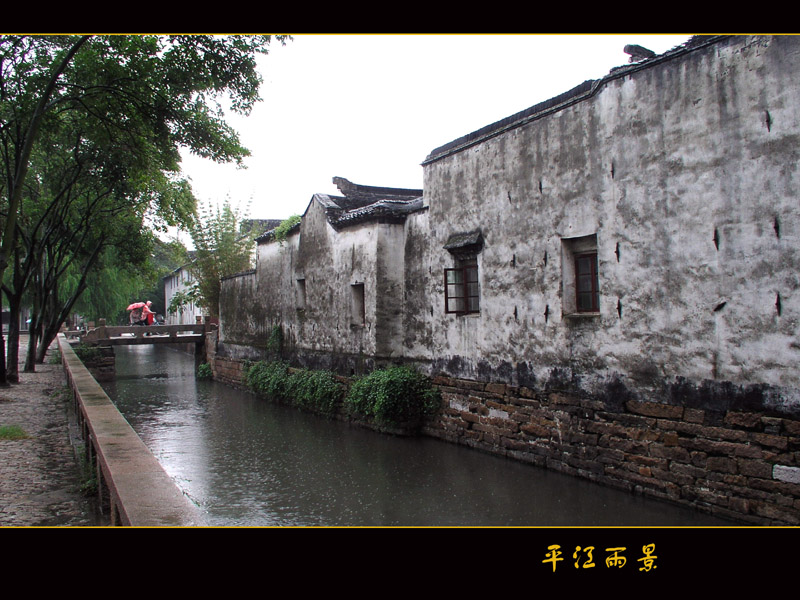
368	203
363	203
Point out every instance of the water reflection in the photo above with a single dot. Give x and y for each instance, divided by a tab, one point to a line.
245	461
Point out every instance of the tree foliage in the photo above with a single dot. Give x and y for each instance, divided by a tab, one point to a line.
90	132
116	282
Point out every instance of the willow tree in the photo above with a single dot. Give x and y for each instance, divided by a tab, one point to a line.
144	96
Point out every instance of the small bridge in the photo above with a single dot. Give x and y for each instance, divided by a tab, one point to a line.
128	335
155	334
103	367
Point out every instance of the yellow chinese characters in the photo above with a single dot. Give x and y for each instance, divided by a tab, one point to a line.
649	559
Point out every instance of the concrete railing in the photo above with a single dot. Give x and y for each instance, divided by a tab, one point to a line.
131	481
132	334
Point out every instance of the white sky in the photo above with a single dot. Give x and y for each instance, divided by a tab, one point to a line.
370	108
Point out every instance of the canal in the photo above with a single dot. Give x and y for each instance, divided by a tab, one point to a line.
245	461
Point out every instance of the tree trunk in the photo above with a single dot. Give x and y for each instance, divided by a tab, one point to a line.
3	378
12	357
33	338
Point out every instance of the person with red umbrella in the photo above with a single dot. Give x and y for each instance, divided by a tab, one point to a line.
136	312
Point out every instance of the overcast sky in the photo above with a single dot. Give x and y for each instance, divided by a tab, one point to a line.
370	108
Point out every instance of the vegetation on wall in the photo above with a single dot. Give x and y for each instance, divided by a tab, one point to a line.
275	340
318	391
393	396
282	230
204	371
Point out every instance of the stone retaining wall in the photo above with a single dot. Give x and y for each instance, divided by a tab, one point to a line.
228	370
739	465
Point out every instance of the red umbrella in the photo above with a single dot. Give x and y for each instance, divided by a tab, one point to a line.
135	305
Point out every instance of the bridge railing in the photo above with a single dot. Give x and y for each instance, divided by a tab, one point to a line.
178	333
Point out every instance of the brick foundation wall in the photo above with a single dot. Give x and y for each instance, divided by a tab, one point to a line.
744	466
228	370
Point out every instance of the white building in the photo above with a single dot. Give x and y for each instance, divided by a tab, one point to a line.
180	280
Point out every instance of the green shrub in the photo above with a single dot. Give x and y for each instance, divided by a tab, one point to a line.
87	353
204	371
398	396
393	396
319	391
89	483
269	379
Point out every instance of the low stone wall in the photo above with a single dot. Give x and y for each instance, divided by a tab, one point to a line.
132	483
739	465
228	370
103	364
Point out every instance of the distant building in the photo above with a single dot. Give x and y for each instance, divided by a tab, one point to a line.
180	280
332	284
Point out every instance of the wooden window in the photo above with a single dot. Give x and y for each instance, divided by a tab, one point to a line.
461	289
586	284
580	276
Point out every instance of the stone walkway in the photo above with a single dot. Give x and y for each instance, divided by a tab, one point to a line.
40	476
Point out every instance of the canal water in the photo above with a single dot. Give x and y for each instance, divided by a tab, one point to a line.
245	461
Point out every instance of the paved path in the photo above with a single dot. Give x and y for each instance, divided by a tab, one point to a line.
40	477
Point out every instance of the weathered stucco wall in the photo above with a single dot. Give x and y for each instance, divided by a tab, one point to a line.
336	295
243	323
686	173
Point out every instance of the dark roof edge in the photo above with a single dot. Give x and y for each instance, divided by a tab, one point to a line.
349	188
579	93
240	274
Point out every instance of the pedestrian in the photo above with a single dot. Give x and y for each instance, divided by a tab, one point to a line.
147	313
136	316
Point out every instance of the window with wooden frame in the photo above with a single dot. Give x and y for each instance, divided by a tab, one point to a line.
461	282
586	285
580	276
461	288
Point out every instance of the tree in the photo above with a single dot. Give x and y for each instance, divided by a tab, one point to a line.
86	193
133	101
221	249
